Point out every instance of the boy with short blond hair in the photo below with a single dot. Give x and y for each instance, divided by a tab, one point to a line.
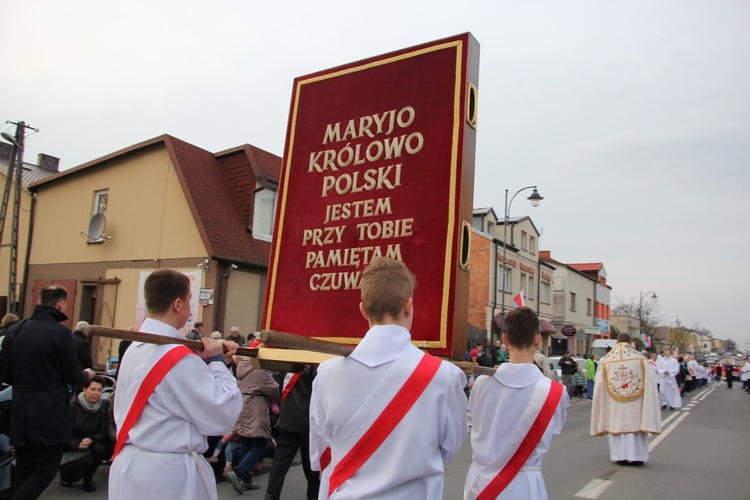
361	393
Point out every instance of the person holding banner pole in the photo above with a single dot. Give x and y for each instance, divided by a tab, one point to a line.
516	414
385	419
169	399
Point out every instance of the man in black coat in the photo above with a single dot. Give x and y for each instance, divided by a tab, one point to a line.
294	434
43	361
81	341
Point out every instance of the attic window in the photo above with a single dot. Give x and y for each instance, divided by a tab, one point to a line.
100	201
263	214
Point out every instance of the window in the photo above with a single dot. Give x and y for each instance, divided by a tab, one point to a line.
588	307
100	201
530	291
532	245
96	228
524	240
572	302
504	276
544	292
263	214
524	283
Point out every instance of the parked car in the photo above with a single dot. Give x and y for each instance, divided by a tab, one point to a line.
601	347
109	384
553	375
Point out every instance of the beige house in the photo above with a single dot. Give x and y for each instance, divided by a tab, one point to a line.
573	307
100	228
623	323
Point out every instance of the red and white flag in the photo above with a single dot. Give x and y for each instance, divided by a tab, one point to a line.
648	342
517	300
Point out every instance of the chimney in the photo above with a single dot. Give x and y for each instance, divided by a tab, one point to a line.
5	151
48	162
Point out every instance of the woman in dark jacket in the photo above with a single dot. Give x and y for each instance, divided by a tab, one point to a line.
88	419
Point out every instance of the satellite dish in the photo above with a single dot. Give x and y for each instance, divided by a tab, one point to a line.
96	226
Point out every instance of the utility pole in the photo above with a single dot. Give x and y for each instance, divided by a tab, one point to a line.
15	174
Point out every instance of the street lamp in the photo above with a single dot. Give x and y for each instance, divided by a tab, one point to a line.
535	199
640	313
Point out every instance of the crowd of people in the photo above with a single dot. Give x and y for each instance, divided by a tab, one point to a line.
61	423
365	425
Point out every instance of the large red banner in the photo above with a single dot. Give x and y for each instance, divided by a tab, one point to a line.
378	162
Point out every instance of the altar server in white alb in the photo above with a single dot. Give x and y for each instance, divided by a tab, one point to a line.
516	414
385	419
745	375
667	368
626	403
168	399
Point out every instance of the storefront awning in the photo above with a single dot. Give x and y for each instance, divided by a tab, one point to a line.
546	327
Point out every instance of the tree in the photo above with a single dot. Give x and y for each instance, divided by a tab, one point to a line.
729	345
679	338
648	312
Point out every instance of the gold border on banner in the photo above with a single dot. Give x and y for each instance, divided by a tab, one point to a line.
456	133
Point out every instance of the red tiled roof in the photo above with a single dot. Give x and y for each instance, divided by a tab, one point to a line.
587	267
220	189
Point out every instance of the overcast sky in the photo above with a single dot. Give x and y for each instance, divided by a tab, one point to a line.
632	117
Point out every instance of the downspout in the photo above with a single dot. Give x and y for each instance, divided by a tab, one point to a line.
494	291
221	298
538	285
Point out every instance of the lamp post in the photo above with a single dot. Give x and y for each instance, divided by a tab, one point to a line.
640	311
535	199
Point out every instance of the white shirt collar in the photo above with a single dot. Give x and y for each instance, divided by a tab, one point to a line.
151	325
381	344
518	375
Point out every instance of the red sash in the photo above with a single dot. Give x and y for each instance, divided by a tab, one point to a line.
383	425
529	443
154	376
288	387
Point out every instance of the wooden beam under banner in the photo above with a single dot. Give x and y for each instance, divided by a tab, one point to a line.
290	354
291	341
267	361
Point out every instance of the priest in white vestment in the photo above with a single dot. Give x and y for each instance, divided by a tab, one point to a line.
667	368
626	403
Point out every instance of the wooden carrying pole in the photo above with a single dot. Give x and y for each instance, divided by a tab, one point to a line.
268	359
297	351
153	338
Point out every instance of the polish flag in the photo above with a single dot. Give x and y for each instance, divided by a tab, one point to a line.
648	342
517	300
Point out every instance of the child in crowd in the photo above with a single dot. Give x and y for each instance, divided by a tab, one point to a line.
580	383
228	445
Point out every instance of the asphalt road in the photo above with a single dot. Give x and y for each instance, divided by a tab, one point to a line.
701	453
